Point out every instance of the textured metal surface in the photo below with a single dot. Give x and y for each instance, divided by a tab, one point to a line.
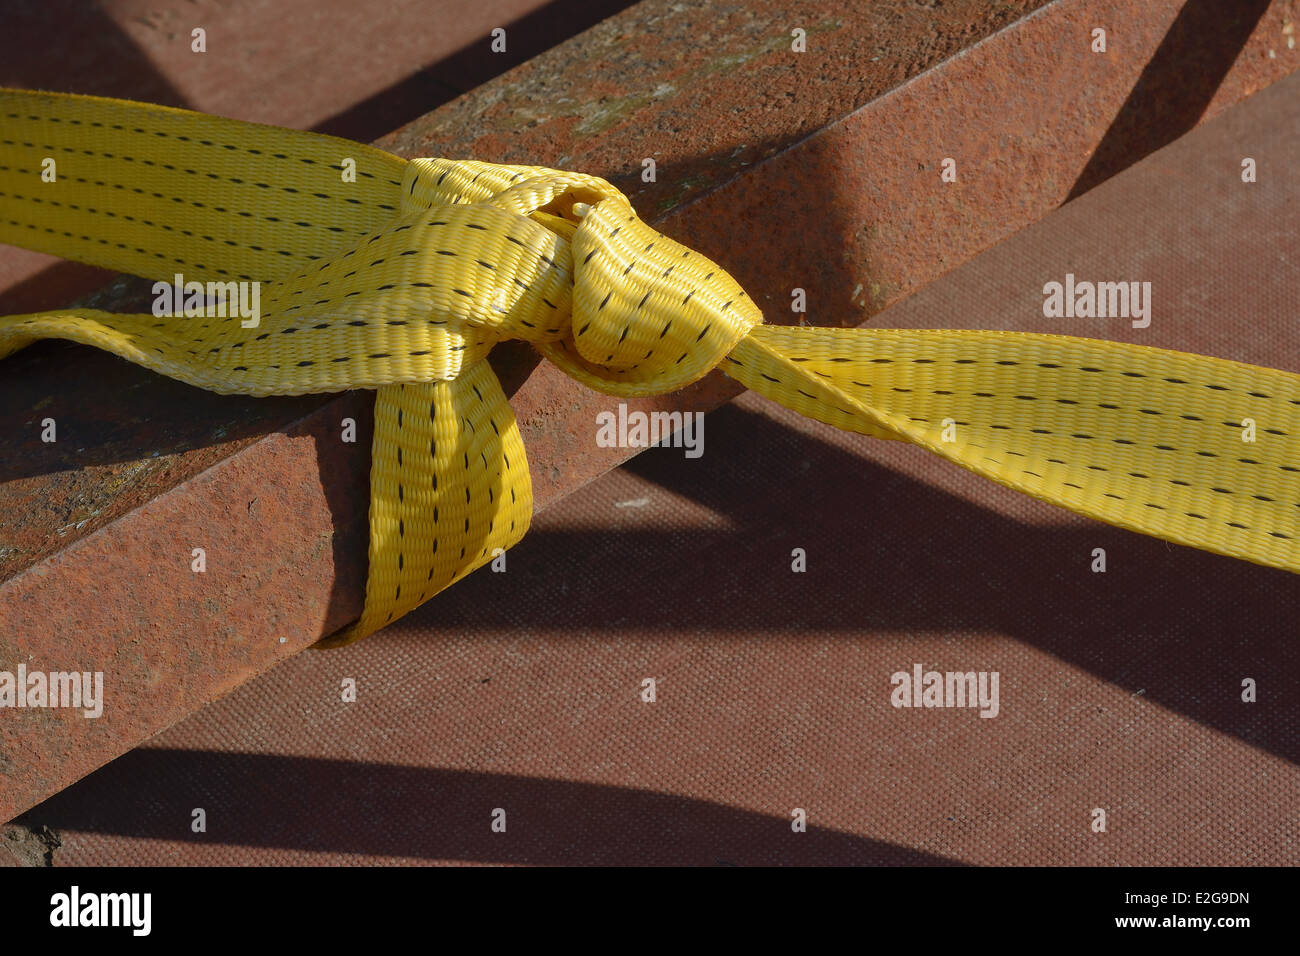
1119	691
733	162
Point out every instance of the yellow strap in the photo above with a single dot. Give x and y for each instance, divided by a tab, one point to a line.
400	276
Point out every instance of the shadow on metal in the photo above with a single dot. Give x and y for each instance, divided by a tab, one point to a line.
470	66
1175	86
431	813
902	555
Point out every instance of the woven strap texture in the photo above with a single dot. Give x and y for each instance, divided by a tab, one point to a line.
399	276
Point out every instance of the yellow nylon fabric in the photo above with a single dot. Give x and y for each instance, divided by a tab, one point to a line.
1143	438
402	277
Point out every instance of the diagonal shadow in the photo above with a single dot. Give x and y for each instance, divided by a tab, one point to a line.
387	810
1175	86
472	65
75	47
889	553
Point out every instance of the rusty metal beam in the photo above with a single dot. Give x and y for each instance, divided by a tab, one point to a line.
816	169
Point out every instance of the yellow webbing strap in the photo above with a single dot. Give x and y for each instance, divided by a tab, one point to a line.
403	276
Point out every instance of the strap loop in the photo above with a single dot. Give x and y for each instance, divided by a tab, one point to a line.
403	279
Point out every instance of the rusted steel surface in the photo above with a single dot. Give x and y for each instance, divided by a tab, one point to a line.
522	690
855	213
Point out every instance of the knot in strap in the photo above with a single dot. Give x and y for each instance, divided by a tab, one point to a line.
562	260
402	277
